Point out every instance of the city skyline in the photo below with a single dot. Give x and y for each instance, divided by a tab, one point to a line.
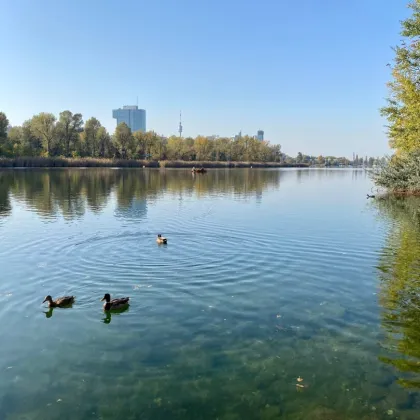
314	86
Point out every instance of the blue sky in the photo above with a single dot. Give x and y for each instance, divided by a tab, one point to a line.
310	73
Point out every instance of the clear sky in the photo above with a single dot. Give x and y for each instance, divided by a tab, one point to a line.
310	73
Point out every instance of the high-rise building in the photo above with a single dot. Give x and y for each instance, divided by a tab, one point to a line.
134	117
260	135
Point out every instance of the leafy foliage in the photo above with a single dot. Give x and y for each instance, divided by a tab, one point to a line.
400	174
403	108
123	140
4	122
43	126
68	128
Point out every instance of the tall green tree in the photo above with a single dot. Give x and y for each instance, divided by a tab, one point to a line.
104	143
43	126
32	144
403	105
175	147
90	137
123	140
15	142
4	122
68	127
139	144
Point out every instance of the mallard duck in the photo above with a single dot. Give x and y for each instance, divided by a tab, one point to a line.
118	303
59	302
161	240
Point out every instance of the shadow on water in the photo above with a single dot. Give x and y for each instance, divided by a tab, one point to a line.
50	311
399	272
114	312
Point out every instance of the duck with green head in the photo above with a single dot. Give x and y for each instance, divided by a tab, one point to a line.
118	303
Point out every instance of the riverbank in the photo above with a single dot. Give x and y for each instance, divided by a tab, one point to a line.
61	162
219	164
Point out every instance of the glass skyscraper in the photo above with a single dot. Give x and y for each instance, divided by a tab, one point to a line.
134	117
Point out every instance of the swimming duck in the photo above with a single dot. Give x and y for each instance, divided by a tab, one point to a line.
161	240
118	303
59	302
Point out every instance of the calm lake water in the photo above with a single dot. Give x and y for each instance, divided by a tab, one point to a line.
268	275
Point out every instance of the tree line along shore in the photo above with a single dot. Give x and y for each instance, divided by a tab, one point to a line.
45	140
68	136
63	162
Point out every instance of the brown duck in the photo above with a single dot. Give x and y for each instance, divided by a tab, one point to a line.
59	302
118	303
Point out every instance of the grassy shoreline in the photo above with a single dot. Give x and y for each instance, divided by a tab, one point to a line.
62	162
222	164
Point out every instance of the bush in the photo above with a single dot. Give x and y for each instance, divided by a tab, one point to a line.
400	174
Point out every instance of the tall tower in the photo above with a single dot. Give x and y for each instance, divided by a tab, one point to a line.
180	125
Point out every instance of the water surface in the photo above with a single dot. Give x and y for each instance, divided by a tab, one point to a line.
268	275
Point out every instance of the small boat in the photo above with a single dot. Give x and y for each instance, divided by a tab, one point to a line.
199	170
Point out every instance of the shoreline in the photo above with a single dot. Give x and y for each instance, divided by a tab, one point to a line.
62	162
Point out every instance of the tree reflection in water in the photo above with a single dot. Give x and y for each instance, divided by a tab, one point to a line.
399	272
71	192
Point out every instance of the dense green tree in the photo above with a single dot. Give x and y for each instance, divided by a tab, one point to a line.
90	138
32	144
15	143
69	126
43	126
4	123
175	148
158	146
202	148
403	107
123	141
104	143
139	144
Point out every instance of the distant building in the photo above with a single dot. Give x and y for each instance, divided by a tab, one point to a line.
213	137
134	117
238	136
9	127
260	135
